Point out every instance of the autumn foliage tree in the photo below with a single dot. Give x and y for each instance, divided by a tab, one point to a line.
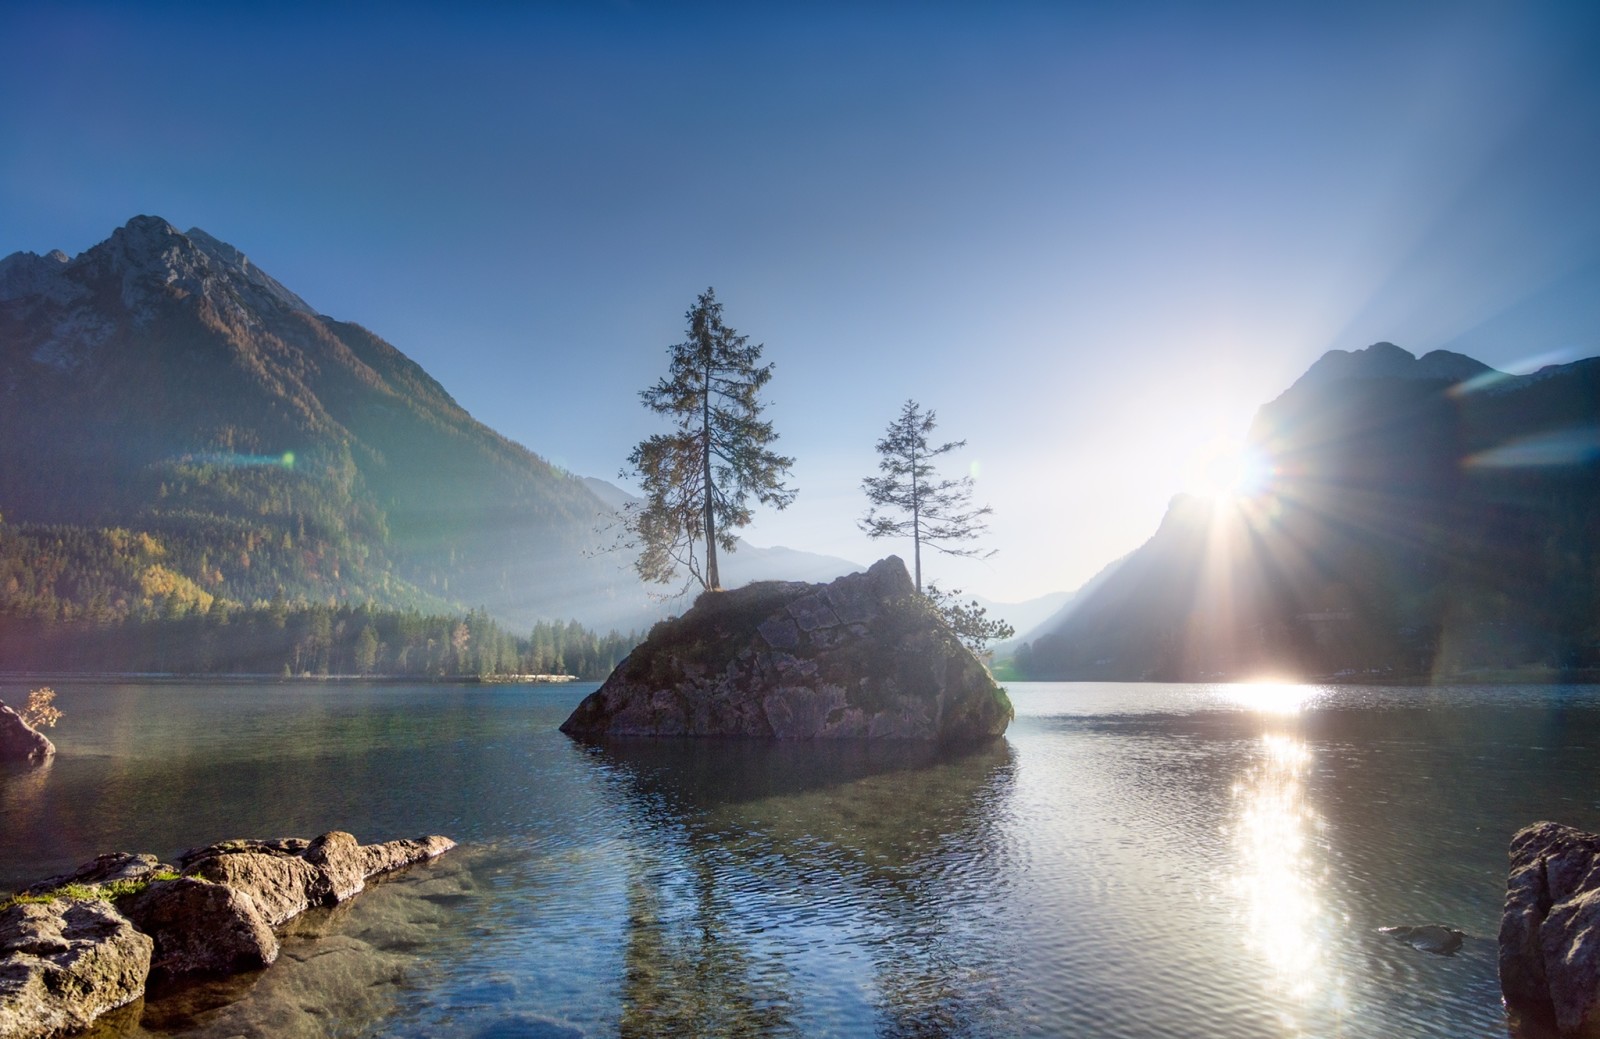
41	711
699	479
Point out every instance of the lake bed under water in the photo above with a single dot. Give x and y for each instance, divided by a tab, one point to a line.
1130	861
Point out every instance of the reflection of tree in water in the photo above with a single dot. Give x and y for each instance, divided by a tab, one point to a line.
687	971
768	862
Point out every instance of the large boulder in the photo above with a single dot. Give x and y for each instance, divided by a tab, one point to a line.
863	657
21	742
1550	932
63	963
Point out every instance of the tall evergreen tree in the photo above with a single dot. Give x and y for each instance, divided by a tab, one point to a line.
915	503
698	480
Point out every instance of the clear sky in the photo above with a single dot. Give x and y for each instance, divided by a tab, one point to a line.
1093	238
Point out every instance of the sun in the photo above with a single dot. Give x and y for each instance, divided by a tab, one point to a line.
1225	468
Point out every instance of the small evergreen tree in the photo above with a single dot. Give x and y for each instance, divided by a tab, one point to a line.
914	502
970	621
698	480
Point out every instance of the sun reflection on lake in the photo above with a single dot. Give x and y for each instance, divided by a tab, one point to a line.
1269	697
1280	876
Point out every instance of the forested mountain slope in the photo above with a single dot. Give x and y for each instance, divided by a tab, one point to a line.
177	427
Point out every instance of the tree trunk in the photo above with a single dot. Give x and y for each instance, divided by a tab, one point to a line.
916	522
713	582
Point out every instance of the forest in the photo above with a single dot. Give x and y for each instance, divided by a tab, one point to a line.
83	599
284	640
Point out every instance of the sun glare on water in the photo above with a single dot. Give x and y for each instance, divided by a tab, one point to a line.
1270	697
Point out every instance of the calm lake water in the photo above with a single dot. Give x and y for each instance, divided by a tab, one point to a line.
1131	861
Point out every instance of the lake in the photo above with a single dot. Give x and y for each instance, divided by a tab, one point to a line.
1131	861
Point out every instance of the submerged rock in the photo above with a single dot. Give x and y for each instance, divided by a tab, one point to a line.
1435	938
65	962
863	657
1550	932
21	742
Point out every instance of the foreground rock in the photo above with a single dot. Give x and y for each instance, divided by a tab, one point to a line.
83	943
65	962
863	657
1550	933
21	742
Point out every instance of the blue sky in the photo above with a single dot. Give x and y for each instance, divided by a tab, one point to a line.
1094	238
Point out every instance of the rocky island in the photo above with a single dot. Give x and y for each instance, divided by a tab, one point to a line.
76	946
21	743
864	657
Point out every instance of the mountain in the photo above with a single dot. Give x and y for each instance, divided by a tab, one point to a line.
747	562
1038	617
177	427
1423	516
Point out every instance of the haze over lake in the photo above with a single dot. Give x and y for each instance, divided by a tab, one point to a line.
1131	860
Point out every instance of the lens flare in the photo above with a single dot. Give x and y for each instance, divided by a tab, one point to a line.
234	460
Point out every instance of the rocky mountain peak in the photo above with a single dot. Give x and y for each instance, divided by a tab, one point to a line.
151	259
238	265
1387	361
29	274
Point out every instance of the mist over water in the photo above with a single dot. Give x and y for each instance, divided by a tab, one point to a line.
1131	861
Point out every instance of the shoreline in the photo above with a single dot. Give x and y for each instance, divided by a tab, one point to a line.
1577	676
247	678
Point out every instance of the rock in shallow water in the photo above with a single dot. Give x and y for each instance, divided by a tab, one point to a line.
1435	938
289	875
281	885
200	928
1550	932
863	657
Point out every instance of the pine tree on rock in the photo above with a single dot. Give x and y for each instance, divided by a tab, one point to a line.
699	479
914	503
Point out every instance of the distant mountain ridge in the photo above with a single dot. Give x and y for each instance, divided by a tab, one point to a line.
1387	361
748	562
1425	516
